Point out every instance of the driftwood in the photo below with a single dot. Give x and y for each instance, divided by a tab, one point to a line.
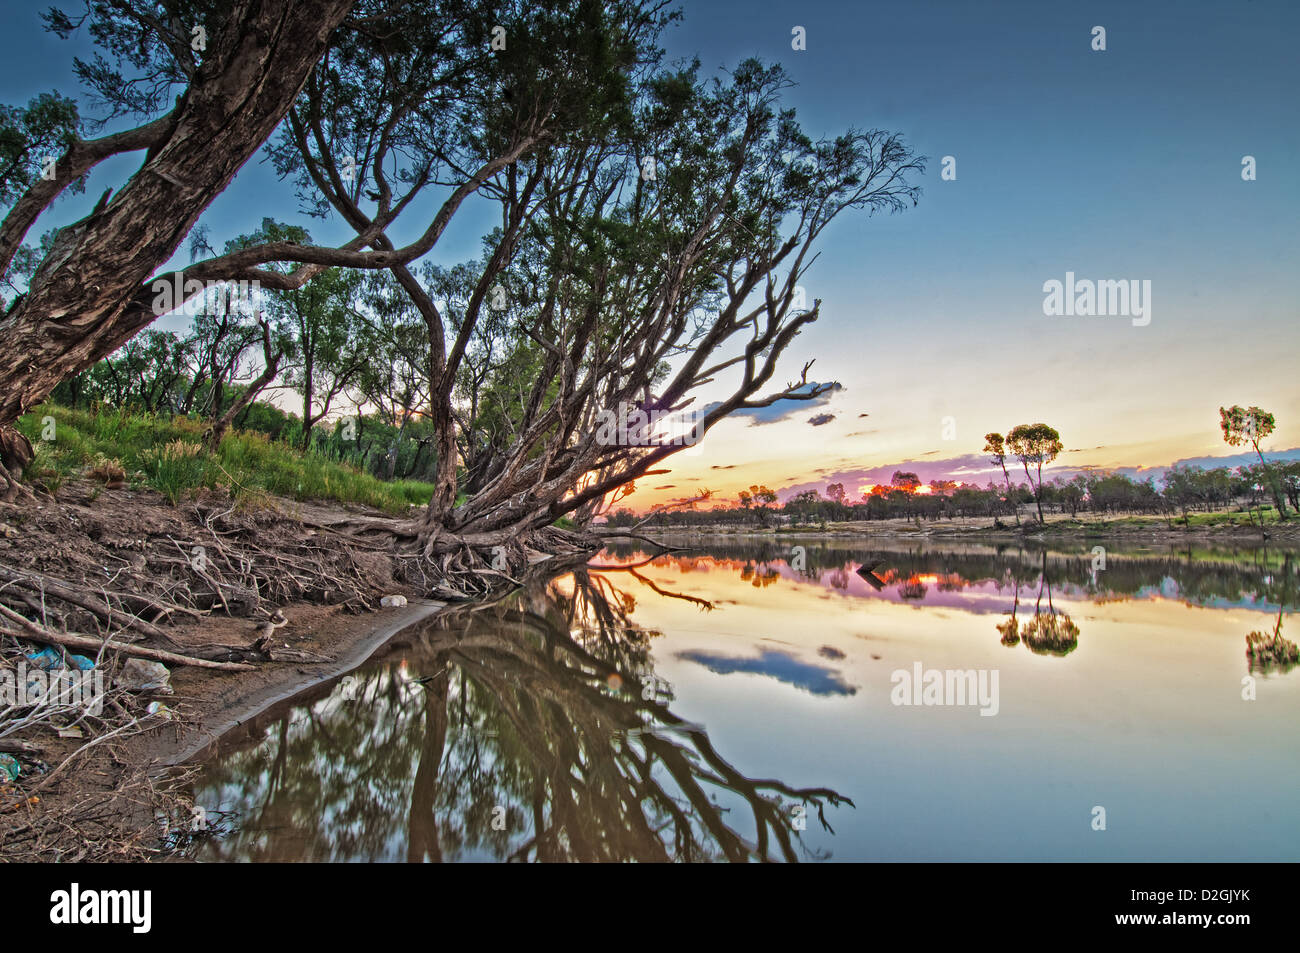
68	640
47	585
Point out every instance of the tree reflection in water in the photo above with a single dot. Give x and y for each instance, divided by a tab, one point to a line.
1273	652
1046	633
528	729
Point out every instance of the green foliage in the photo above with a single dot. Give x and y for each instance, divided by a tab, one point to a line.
164	454
283	471
1245	425
1035	444
51	468
145	66
46	126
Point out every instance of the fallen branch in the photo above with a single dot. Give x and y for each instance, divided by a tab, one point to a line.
41	583
87	643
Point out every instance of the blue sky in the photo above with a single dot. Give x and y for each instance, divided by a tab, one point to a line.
1122	164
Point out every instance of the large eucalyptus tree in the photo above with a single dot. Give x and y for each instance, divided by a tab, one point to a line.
654	226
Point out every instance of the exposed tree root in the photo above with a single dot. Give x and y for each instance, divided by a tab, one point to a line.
108	574
111	566
453	567
13	487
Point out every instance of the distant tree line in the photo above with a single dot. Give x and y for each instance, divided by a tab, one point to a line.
1184	490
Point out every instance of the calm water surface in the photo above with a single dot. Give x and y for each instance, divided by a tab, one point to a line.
725	702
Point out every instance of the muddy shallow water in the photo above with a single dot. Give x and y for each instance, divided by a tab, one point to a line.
724	703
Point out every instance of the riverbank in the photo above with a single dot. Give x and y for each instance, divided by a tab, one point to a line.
243	605
140	780
1227	528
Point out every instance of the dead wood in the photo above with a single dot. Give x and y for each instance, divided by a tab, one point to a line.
38	632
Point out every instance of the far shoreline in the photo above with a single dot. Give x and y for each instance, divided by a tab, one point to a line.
1150	530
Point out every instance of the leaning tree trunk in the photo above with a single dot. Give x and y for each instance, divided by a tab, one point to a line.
88	296
212	440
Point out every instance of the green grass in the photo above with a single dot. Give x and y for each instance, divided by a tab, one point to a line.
1195	521
164	453
1267	513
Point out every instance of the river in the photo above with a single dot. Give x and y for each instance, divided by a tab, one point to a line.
751	699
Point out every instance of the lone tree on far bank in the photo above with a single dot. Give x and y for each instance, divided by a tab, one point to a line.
995	446
1036	444
1250	426
759	497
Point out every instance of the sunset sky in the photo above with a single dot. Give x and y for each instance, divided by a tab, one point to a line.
1121	164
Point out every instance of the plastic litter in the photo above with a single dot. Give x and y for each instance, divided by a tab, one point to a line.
392	602
47	660
138	675
9	768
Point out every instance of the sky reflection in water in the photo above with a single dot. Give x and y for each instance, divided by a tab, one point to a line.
710	704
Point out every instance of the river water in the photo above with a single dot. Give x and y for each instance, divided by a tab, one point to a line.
756	699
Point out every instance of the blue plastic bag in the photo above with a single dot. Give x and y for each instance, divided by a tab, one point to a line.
47	660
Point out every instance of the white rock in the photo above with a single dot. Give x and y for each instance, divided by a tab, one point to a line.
392	602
